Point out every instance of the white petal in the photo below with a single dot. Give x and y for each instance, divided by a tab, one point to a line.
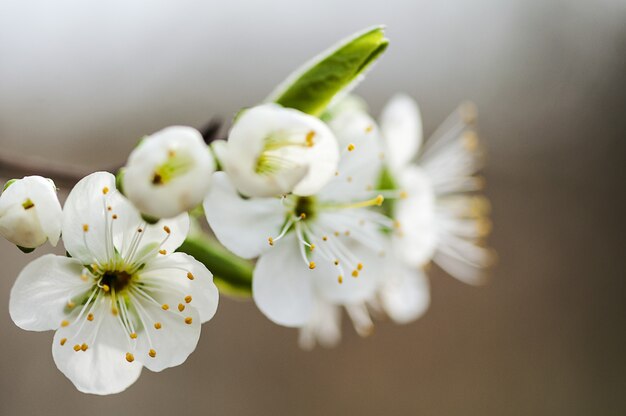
175	339
186	190
401	124
85	209
352	289
405	294
42	290
102	368
359	168
294	166
418	236
173	271
324	327
282	286
242	225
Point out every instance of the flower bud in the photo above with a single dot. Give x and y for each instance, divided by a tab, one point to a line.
169	172
273	150
30	212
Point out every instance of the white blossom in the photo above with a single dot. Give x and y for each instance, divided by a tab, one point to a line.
123	300
443	217
273	150
30	212
169	172
325	247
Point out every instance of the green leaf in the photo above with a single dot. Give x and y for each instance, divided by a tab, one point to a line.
311	88
231	274
9	183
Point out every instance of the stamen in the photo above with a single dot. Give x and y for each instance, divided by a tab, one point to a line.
152	353
163	252
188	320
77	347
282	233
165	306
309	138
90	317
340	279
312	265
167	229
181	307
84	347
130	357
133	335
157	325
350	147
190	276
63	341
105	190
378	201
188	298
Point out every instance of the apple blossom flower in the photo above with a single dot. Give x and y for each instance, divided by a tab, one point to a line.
123	300
30	212
273	151
442	216
325	247
169	172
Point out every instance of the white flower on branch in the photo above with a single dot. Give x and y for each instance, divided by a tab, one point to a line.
169	172
273	150
30	212
123	300
442	216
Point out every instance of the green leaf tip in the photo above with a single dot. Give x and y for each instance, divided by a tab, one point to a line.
337	70
9	183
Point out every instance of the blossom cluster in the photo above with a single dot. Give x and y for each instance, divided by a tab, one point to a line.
336	210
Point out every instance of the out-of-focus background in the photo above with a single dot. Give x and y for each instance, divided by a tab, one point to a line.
80	81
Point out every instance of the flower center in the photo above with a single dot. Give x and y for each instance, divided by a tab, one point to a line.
282	150
305	207
175	165
118	280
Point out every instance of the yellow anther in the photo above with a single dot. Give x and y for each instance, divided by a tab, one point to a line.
302	215
157	325
109	208
403	195
359	266
336	262
336	173
76	347
106	288
336	233
85	227
167	229
325	238
84	347
63	341
188	320
70	304
379	200
181	307
165	306
164	252
114	216
309	138
133	335
340	279
114	311
140	230
312	265
350	147
152	353
347	233
355	273
369	129
64	323
188	299
470	140
105	190
271	241
94	266
312	247
129	357
190	276
90	317
84	277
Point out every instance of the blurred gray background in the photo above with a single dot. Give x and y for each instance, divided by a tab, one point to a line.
80	81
